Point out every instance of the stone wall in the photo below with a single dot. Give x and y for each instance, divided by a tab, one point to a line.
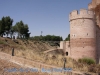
61	44
95	7
98	43
65	45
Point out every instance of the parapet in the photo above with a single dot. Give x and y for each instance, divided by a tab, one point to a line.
86	14
90	6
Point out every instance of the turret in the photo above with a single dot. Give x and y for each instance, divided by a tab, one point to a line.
82	34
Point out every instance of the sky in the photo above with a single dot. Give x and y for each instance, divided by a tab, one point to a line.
49	16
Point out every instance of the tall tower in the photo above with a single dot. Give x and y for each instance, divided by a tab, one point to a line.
82	34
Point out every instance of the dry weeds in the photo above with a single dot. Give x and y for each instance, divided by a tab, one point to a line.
34	51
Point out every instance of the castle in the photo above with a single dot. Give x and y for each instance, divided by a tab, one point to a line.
84	33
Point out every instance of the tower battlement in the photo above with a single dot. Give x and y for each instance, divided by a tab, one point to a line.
90	7
82	34
83	13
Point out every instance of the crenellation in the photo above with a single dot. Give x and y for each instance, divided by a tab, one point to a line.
74	12
83	13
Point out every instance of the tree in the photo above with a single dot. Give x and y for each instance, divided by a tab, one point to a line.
2	29
7	24
22	29
68	38
12	31
47	38
61	39
25	31
7	28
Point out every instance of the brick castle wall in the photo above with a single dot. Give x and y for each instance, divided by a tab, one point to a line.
82	34
65	45
98	43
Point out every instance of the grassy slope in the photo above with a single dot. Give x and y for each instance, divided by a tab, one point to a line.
34	51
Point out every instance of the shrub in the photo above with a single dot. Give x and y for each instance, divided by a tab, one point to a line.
80	60
87	61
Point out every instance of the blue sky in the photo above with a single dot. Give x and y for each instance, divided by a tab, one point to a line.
49	16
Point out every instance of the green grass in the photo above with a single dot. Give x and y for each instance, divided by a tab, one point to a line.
88	61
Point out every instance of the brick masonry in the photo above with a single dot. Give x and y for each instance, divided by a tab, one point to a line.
83	42
95	7
84	36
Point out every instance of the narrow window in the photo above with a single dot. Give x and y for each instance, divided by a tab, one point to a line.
66	53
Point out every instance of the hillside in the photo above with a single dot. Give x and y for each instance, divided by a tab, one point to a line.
39	51
25	44
33	50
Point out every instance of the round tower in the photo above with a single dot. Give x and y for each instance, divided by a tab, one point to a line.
82	34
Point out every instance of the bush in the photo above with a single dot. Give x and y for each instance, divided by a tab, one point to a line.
88	61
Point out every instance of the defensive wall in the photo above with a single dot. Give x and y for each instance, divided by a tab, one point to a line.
95	7
82	35
65	46
98	43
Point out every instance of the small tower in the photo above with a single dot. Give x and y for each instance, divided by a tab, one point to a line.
82	34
